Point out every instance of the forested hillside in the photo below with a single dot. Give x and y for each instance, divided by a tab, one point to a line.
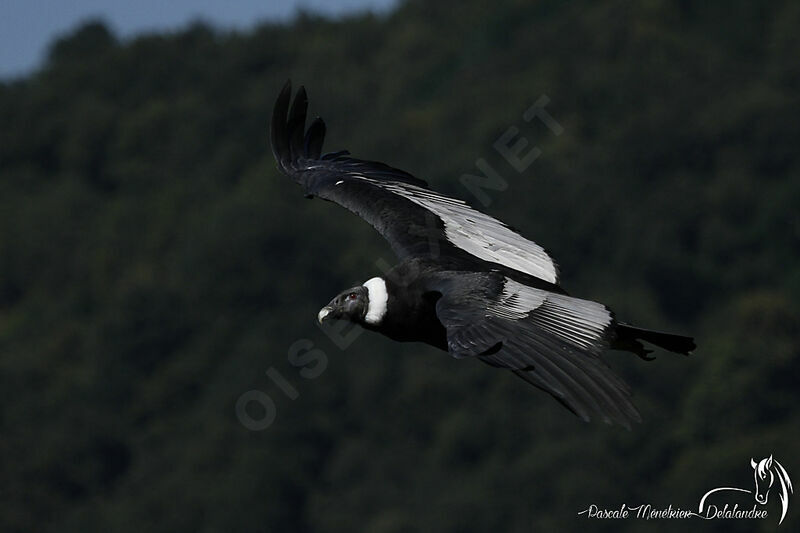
155	267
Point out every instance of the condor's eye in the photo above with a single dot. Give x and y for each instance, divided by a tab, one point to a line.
351	296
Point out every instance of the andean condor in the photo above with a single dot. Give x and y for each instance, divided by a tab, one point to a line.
467	283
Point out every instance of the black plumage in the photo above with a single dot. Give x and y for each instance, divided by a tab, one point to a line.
467	283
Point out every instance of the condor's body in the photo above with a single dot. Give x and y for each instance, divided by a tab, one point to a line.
467	283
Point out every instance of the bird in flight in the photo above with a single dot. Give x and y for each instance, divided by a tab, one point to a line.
467	283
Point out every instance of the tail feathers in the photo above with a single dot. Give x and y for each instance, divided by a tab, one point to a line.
628	338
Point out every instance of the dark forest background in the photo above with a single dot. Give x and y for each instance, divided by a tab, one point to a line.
155	266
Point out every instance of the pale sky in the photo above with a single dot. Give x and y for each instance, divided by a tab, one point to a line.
28	26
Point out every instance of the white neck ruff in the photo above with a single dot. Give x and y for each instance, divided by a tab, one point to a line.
378	300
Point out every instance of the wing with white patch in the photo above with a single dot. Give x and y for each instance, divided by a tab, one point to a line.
417	221
550	340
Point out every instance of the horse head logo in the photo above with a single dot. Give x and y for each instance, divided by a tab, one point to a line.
766	472
762	472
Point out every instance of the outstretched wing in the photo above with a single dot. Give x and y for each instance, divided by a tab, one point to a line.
550	340
417	221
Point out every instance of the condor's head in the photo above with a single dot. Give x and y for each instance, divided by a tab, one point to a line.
365	303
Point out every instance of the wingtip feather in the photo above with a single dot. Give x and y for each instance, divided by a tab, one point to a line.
297	122
288	136
278	127
314	138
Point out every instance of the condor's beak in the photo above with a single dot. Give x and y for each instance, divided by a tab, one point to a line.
323	313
